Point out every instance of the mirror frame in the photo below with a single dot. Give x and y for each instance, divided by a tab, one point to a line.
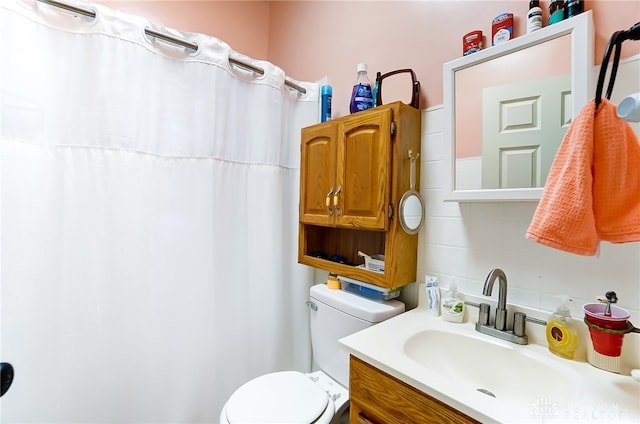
403	220
582	74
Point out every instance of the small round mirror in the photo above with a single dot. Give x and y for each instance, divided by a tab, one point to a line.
411	212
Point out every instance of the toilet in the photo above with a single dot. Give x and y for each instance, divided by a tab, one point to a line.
319	397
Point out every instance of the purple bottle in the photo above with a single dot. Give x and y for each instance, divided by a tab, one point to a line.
361	96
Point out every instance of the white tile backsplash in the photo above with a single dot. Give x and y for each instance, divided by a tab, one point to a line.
433	120
433	147
434	174
469	173
465	241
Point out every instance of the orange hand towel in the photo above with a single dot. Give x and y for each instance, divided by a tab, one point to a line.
592	192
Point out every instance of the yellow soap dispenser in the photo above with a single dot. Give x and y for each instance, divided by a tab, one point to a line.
562	336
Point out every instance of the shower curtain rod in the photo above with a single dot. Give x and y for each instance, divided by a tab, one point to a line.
171	39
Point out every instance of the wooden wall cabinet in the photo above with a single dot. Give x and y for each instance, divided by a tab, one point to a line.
378	398
353	173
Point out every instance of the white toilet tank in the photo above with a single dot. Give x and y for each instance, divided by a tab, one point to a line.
335	314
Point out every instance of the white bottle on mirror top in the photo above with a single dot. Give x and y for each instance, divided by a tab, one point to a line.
534	16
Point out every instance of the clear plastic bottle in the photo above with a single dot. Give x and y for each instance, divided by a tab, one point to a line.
562	336
362	95
452	305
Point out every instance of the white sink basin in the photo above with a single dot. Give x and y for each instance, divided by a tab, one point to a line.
510	374
451	362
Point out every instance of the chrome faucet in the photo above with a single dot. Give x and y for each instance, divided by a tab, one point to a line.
499	329
501	311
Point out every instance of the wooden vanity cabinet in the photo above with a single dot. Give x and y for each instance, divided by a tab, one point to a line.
353	172
378	398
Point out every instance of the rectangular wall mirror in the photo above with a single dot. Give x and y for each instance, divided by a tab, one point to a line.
508	107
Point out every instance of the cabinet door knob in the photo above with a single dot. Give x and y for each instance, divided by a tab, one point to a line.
328	202
336	197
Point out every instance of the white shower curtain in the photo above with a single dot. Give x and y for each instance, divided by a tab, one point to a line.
148	220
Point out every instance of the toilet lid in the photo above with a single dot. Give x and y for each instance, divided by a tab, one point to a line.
281	397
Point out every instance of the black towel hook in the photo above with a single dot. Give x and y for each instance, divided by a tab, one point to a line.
615	41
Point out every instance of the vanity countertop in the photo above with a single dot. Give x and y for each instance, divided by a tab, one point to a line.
599	395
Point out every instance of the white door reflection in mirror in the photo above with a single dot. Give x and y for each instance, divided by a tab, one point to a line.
520	80
522	127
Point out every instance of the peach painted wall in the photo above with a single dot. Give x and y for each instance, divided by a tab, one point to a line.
314	39
244	25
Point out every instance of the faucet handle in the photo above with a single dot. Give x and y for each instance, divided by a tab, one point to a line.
483	317
519	324
501	319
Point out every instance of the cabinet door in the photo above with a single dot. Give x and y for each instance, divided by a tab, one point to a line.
378	398
318	170
363	173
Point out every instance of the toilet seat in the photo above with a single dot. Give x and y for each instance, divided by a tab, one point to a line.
281	397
